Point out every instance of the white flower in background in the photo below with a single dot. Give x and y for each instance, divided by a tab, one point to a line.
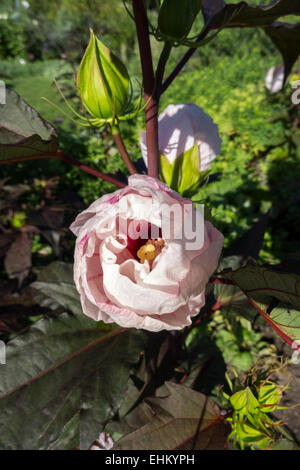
275	79
180	127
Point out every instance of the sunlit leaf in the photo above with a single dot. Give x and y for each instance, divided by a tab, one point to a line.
274	294
23	132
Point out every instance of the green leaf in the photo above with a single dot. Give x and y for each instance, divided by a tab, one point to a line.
176	421
286	38
271	292
285	321
23	132
176	17
56	281
62	368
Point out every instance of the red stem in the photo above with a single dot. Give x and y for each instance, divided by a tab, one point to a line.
183	61
124	154
177	69
142	29
72	161
90	170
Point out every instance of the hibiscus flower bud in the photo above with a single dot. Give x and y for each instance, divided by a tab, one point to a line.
188	142
176	18
136	261
275	79
103	81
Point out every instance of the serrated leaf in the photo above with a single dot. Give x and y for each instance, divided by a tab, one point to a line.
177	420
285	321
23	132
56	281
263	283
271	292
61	368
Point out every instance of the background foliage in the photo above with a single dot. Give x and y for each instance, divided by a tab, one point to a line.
256	174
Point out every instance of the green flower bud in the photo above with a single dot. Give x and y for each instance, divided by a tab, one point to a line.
103	81
176	18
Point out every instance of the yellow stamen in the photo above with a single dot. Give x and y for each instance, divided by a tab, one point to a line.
146	252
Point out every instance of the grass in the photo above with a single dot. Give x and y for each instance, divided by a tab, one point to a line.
33	81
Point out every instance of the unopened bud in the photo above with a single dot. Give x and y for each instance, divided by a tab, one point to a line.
103	81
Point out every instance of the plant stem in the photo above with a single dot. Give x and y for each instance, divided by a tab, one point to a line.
165	54
177	69
89	170
142	29
72	161
122	149
182	63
